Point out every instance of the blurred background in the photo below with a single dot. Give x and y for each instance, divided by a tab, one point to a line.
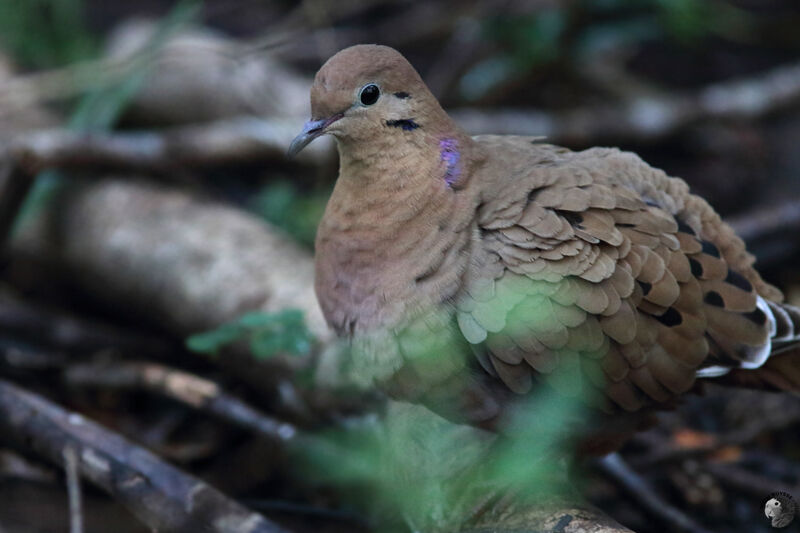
152	249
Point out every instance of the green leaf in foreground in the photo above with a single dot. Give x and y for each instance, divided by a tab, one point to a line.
267	333
210	342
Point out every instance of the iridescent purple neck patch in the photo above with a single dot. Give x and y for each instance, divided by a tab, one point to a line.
448	150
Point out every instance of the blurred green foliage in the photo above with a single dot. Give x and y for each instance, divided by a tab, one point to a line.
297	212
428	474
688	21
532	39
268	334
432	474
578	31
46	33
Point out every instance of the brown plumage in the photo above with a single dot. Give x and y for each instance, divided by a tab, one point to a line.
469	270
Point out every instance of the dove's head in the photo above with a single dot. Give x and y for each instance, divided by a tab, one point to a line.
366	93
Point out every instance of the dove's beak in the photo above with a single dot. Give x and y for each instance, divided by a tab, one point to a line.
311	130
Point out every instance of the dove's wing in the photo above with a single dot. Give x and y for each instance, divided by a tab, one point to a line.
605	277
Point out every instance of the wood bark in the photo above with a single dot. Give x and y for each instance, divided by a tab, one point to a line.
159	494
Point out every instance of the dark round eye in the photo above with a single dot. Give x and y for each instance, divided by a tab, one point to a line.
369	94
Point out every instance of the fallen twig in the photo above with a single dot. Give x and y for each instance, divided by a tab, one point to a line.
648	117
70	456
768	220
226	141
159	494
57	329
662	448
746	481
15	466
197	392
615	468
242	139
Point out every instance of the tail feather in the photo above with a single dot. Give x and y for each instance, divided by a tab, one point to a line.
787	324
781	370
780	373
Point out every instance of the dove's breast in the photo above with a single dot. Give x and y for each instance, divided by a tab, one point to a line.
383	260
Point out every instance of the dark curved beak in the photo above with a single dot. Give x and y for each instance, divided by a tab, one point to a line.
311	130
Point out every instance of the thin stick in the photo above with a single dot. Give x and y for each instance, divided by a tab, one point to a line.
189	389
747	482
243	139
161	496
759	223
647	117
63	331
73	489
614	467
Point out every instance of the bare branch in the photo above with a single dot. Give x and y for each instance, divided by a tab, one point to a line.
615	468
243	139
194	391
768	220
159	494
648	117
70	456
58	329
738	478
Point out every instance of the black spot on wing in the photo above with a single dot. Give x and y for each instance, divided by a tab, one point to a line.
575	219
710	249
756	316
670	318
737	280
714	298
534	193
407	124
645	287
402	95
683	227
697	268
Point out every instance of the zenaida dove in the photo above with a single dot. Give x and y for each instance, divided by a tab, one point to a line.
468	270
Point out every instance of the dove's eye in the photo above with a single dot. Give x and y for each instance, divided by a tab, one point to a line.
369	94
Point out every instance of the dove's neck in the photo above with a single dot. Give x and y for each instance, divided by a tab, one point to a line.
397	230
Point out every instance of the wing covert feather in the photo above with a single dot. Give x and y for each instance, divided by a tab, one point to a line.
607	276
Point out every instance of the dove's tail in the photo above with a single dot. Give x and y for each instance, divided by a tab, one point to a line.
781	370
